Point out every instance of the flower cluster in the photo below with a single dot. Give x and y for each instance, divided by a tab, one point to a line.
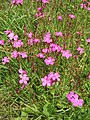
23	78
86	5
74	99
16	2
18	44
14	39
55	47
50	79
15	54
32	40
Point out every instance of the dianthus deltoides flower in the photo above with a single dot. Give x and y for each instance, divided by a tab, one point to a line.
59	34
60	18
72	16
14	54
49	61
18	43
22	54
16	2
88	40
2	42
50	79
45	1
41	55
23	78
47	38
80	50
5	60
74	99
89	76
66	53
55	47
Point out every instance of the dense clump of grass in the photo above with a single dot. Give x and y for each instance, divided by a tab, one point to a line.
36	102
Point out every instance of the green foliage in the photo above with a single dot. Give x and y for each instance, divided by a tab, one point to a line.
36	102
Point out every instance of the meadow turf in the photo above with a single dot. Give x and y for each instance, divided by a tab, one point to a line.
36	102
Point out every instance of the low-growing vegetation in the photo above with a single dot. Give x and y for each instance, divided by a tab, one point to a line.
45	60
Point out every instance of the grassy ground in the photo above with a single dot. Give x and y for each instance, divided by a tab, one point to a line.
36	102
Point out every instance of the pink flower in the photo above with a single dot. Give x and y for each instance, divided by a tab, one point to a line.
59	34
23	54
13	2
78	33
45	50
50	75
89	76
37	15
80	50
30	35
41	14
46	81
60	18
50	79
55	47
49	61
22	71
18	44
88	40
88	8
47	38
72	16
23	79
83	5
54	76
70	95
41	55
39	9
80	102
77	102
15	37
16	2
45	1
36	40
11	36
66	53
1	42
30	41
5	60
49	18
7	32
19	2
14	54
74	99
49	50
47	35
